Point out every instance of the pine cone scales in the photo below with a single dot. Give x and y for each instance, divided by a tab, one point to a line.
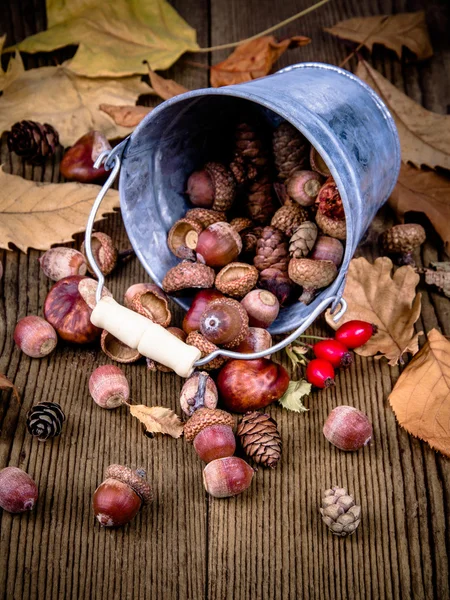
260	438
303	240
250	157
290	149
260	204
33	141
45	420
272	250
339	511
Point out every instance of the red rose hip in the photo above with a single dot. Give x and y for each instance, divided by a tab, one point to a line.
354	334
320	373
333	351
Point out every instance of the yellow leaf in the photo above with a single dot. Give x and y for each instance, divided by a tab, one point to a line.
425	192
388	302
37	215
424	135
252	60
114	38
70	103
393	31
125	116
421	397
157	419
165	88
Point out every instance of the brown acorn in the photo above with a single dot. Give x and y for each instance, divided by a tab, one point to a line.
236	279
311	275
402	240
212	187
183	234
224	322
188	275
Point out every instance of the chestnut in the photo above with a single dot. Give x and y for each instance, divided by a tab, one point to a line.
257	339
218	245
77	164
347	428
191	321
119	498
67	311
226	477
251	384
18	491
35	336
262	308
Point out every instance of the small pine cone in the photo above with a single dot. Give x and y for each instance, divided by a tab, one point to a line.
289	217
260	204
260	438
33	141
45	420
332	227
205	216
339	511
195	338
277	282
250	155
290	149
329	201
402	240
249	239
271	250
303	240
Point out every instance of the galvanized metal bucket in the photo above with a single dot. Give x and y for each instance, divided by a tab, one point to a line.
339	114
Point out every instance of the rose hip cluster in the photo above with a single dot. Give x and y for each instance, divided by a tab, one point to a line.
334	353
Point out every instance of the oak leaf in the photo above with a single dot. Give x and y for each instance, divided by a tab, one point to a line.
125	116
157	419
37	215
252	60
292	399
114	38
165	88
421	397
392	31
426	192
70	103
424	135
6	384
388	302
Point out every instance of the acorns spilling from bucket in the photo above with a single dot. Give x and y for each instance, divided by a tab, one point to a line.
271	218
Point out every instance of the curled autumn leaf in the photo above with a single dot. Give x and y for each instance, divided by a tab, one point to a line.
292	399
439	276
6	384
389	302
424	135
157	419
125	116
392	31
421	397
425	192
253	59
165	88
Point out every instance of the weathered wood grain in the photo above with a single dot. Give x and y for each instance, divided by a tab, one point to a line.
269	543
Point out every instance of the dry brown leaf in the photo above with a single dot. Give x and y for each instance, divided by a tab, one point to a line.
165	88
388	302
253	59
393	31
421	397
6	384
425	192
114	38
424	135
125	116
37	215
70	103
157	419
439	276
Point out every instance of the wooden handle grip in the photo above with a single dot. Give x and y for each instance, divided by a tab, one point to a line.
147	337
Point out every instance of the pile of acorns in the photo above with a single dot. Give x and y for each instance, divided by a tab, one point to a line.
250	228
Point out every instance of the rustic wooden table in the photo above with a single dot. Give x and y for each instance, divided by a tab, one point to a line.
269	543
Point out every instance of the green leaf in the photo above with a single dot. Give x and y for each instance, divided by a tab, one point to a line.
114	38
292	399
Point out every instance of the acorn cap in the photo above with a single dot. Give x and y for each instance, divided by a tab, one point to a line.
336	228
183	234
402	238
188	275
241	223
289	217
224	185
312	273
149	300
236	279
195	338
205	216
205	417
132	478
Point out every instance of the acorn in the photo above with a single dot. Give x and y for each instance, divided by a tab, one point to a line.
205	216
289	217
328	248
212	187
61	262
262	308
198	391
401	241
149	300
104	251
187	274
183	234
336	228
109	387
195	338
224	322
35	336
122	494
347	428
241	224
312	275
211	432
227	477
236	279
303	187
18	491
218	245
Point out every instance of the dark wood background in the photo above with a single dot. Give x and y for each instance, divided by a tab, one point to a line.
269	543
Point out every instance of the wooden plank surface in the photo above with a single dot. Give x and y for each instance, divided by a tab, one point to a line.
269	543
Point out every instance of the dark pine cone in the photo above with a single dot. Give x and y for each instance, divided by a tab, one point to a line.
290	149
250	155
260	438
260	204
33	141
272	250
45	420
